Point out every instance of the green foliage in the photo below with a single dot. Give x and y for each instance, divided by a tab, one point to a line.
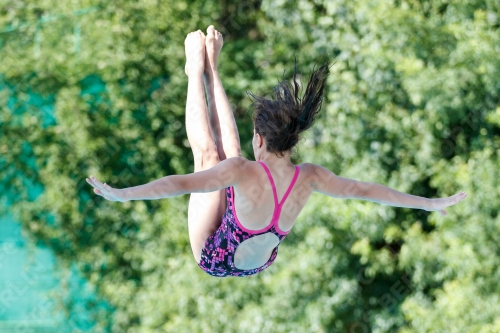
412	103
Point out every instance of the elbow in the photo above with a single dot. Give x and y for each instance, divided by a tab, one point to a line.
366	190
172	186
358	190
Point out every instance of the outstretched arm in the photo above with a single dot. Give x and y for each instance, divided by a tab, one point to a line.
225	173
326	182
387	196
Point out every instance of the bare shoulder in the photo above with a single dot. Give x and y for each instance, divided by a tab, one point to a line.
248	167
313	173
241	162
326	182
242	166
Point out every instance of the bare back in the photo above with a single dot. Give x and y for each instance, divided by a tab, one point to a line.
254	205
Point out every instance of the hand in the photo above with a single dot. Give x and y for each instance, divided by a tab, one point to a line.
441	203
106	191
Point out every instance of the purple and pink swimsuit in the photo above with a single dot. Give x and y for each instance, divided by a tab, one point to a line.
217	256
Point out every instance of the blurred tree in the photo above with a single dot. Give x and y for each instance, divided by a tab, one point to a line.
95	87
412	104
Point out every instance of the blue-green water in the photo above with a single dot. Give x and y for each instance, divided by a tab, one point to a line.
26	277
33	289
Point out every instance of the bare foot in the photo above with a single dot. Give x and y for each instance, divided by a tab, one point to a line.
213	45
195	52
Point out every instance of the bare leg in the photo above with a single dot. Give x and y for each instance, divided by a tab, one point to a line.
205	209
197	121
221	116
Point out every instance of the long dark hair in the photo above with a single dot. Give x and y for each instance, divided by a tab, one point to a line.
281	120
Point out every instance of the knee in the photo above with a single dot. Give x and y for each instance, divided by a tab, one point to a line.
236	152
205	159
210	158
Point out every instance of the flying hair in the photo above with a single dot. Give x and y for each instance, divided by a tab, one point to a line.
281	120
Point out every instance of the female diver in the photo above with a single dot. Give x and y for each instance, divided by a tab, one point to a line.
241	210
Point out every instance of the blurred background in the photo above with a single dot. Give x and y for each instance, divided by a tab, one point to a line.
93	87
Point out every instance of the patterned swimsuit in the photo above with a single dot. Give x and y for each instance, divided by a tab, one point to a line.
217	256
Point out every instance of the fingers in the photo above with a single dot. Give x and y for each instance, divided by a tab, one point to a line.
104	190
459	197
98	186
96	189
89	180
453	200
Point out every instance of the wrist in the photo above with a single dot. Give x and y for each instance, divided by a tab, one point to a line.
427	204
124	195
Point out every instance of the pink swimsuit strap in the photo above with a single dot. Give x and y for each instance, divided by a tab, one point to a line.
279	205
